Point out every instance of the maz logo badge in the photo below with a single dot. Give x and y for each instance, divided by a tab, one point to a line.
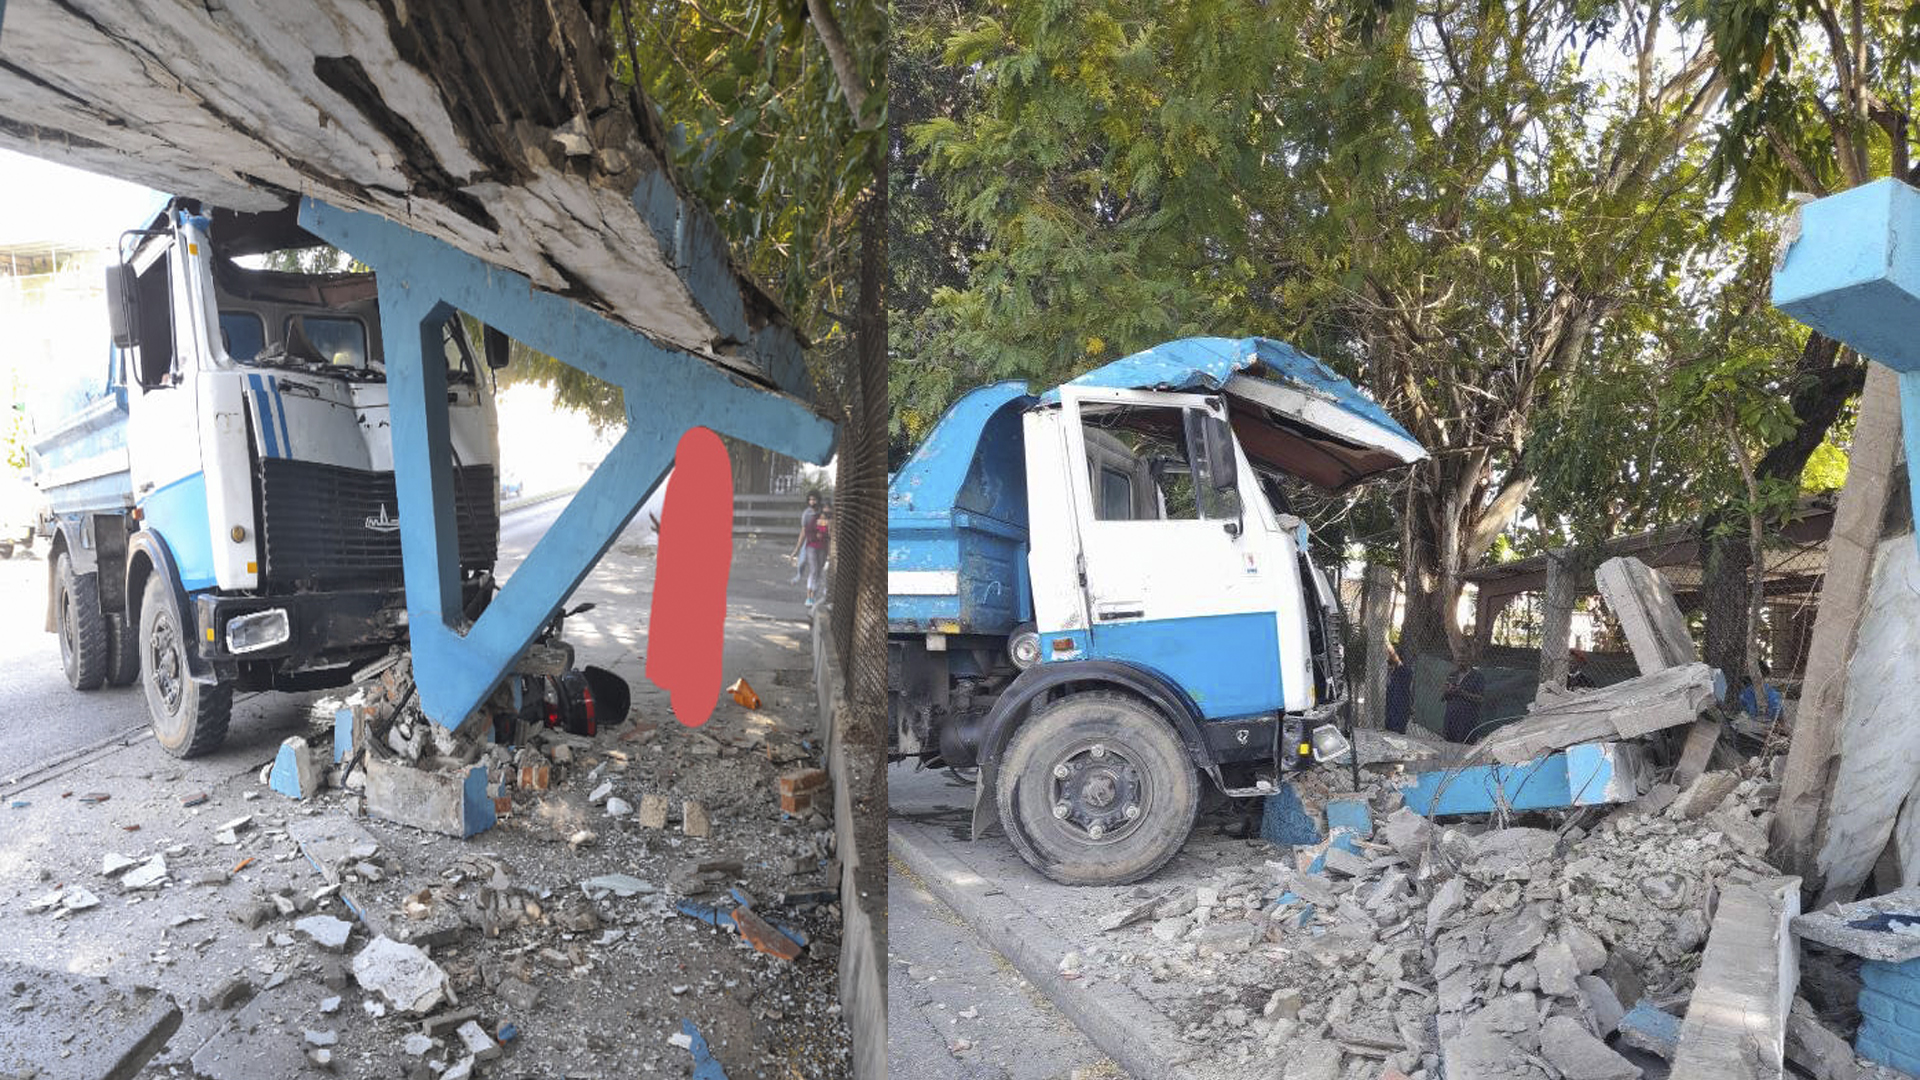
383	523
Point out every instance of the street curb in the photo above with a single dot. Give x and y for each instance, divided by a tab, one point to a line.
1138	1037
863	990
536	500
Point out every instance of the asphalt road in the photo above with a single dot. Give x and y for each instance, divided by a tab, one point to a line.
958	1011
46	720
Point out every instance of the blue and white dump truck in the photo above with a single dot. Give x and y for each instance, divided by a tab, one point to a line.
1097	594
221	514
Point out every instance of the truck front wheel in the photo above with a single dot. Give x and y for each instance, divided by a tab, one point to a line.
1096	789
81	624
189	718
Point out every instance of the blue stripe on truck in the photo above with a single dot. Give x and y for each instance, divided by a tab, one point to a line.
1228	664
263	417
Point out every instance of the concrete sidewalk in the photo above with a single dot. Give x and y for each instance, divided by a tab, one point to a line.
1135	1015
595	987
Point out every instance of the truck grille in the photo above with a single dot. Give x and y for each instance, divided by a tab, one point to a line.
315	519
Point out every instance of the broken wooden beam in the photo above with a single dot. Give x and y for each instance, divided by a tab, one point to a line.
1625	710
1800	811
1736	1022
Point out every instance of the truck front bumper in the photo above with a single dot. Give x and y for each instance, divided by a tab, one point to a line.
321	627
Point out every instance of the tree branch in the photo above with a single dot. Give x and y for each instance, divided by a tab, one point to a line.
821	15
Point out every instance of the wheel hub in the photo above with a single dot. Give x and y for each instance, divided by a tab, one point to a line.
164	653
1099	794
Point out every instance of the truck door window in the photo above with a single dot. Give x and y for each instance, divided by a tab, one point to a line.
243	334
1142	468
338	340
156	325
1141	450
1115	494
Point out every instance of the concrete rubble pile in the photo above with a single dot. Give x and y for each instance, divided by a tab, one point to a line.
1624	924
1494	952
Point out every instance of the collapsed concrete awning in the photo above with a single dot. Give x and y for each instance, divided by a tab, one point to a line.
496	127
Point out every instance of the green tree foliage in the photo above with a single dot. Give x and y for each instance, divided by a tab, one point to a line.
1449	207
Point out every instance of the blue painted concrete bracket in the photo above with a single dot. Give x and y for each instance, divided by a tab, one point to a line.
668	391
1853	274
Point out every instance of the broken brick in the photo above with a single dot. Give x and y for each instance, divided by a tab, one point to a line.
803	780
763	937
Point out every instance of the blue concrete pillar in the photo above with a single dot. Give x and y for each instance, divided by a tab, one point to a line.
667	391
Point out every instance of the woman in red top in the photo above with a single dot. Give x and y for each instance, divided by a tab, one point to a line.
818	539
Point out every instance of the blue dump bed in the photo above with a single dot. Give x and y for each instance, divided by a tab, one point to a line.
81	465
957	521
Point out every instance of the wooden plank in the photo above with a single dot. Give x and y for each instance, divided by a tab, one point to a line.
1804	785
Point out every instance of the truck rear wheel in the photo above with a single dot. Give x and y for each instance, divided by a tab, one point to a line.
123	652
81	625
189	718
1096	789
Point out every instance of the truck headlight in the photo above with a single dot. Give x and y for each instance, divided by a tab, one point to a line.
259	630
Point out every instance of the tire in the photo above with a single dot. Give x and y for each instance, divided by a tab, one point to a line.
1141	762
123	652
81	625
188	718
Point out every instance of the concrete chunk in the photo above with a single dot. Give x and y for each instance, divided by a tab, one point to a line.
1624	710
1642	600
1828	926
403	974
1654	1030
326	931
294	773
1703	795
1816	1049
477	1041
1736	1025
1568	1046
452	801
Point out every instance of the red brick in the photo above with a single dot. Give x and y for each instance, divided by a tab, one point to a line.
797	804
794	783
535	777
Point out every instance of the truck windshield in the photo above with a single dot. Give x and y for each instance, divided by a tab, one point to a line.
339	341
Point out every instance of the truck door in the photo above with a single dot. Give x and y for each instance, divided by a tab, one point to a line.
1191	581
169	484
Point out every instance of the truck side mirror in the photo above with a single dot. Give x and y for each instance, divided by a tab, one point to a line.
123	311
497	346
1210	440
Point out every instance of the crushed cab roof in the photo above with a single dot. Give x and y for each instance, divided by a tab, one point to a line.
1291	412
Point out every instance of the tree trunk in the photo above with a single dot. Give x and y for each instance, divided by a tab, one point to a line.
1827	380
1449	522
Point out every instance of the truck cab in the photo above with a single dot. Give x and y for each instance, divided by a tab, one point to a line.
223	513
1098	596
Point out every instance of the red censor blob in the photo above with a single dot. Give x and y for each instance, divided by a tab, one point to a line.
687	628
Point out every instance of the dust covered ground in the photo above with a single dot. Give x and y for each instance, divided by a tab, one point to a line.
594	983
